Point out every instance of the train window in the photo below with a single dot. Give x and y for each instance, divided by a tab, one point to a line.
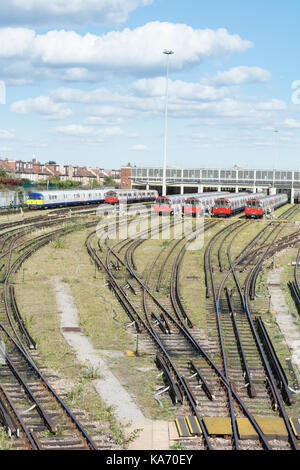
163	200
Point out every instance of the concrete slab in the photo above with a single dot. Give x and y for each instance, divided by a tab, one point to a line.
218	426
160	435
245	429
272	427
152	435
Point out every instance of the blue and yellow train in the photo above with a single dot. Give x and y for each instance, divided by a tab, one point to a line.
39	200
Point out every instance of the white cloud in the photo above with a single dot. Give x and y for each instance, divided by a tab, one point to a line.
241	75
184	90
54	12
79	131
139	148
272	105
145	99
292	124
103	121
42	105
4	134
60	54
73	130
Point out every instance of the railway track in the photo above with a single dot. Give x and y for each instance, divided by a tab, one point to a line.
230	375
32	412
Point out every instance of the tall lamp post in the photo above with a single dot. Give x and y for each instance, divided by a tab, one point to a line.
164	185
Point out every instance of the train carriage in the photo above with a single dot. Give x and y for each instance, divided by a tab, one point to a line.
43	199
117	196
200	204
230	205
186	204
257	206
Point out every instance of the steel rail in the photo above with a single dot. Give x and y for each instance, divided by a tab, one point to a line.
21	349
223	379
159	344
292	439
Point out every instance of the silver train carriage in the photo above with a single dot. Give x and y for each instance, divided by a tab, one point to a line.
41	199
182	203
201	204
259	205
115	196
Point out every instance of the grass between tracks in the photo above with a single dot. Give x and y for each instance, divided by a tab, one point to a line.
285	260
102	319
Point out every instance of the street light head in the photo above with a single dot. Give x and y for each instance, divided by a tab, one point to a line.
168	52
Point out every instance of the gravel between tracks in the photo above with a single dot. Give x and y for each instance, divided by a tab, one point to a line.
108	386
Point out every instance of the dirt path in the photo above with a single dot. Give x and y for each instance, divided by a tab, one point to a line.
107	386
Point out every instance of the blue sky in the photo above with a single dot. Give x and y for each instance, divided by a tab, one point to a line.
85	82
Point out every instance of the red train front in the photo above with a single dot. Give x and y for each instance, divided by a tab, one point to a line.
230	205
257	207
222	207
112	197
193	206
254	208
163	205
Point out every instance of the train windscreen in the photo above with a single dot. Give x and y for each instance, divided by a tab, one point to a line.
163	200
192	202
254	203
35	196
222	203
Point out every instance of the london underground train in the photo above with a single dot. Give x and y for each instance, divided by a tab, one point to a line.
182	203
43	199
226	206
257	206
117	196
199	205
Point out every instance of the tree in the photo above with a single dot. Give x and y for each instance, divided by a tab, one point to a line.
109	181
3	173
